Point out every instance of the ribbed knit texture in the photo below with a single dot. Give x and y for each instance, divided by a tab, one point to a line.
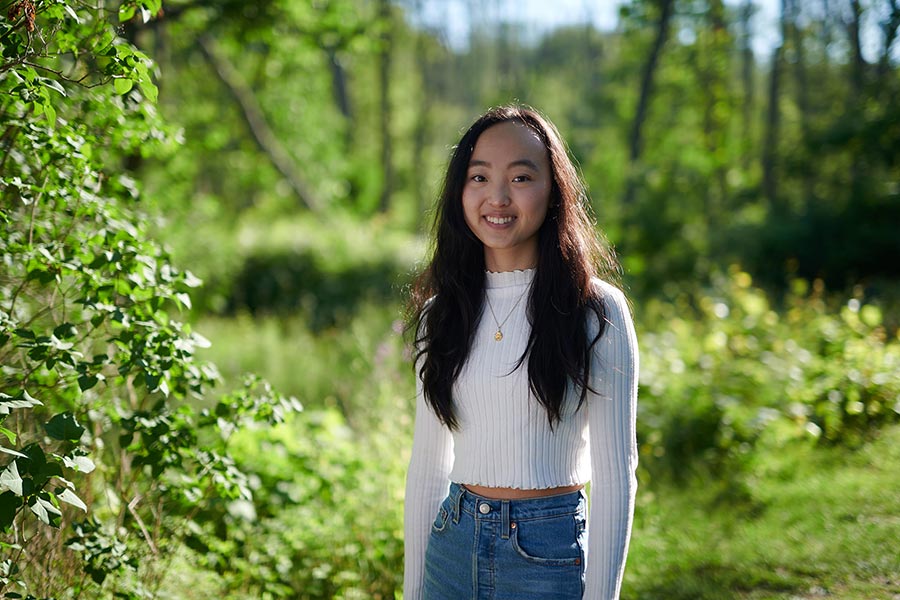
505	440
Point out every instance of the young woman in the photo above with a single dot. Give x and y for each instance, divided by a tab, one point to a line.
526	368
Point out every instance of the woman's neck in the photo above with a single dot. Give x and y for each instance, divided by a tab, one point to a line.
499	262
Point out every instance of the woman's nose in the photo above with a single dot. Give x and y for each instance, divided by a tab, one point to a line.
499	194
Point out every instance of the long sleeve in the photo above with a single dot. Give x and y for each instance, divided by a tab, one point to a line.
427	483
613	449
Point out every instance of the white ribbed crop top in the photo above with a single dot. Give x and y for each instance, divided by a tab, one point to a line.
504	438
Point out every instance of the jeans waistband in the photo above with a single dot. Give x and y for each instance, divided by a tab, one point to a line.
464	501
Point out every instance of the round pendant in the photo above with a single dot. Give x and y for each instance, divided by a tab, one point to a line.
498	336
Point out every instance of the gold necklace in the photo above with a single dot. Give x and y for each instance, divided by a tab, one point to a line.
499	334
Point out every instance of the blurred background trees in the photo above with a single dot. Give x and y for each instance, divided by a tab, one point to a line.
742	156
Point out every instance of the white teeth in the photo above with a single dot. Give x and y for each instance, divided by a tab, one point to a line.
499	220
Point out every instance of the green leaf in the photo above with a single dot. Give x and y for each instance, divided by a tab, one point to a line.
184	299
10	435
35	453
149	89
58	344
82	464
7	403
65	331
9	506
45	511
870	315
53	85
11	480
50	113
12	452
86	382
192	280
69	497
126	12
72	13
122	85
151	381
64	427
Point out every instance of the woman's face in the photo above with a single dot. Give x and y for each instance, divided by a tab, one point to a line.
507	193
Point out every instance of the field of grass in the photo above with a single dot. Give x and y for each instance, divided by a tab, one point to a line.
810	522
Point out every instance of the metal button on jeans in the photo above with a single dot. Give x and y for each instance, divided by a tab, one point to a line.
484	508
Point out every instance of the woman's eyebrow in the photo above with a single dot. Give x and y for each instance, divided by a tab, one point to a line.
522	162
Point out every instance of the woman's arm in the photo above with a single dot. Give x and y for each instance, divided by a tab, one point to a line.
427	482
611	419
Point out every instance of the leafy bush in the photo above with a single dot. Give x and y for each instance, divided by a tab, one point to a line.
724	370
97	371
326	516
326	519
329	271
297	266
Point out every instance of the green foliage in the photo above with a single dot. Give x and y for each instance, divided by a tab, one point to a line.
328	272
322	523
728	372
325	519
102	552
97	371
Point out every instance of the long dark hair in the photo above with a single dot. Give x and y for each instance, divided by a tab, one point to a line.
448	296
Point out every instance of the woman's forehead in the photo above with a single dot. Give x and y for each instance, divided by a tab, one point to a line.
509	140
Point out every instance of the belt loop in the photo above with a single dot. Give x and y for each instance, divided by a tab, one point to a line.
504	519
456	502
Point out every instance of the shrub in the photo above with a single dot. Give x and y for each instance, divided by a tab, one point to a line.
723	371
97	369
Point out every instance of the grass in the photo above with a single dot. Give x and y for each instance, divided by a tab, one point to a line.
810	523
358	367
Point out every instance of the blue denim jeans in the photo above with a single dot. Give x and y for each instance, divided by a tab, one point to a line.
485	549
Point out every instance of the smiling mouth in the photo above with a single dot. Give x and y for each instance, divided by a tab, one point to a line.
499	220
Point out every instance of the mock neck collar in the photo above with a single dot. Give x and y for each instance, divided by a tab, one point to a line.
505	279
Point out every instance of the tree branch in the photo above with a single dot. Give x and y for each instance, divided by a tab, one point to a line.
256	121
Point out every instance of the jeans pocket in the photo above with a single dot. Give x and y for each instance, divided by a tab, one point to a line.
551	541
441	519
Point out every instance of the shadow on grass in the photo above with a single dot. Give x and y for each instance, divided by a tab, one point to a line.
713	581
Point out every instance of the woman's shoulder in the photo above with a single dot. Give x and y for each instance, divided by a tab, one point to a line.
614	303
604	287
608	293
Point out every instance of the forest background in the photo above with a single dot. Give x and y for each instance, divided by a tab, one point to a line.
248	436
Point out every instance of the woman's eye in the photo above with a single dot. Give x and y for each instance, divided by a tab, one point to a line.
522	178
478	178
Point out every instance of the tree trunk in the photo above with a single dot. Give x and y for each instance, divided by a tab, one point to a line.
256	121
646	93
854	33
384	76
716	92
856	96
802	91
420	133
341	95
825	40
747	64
773	123
890	28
